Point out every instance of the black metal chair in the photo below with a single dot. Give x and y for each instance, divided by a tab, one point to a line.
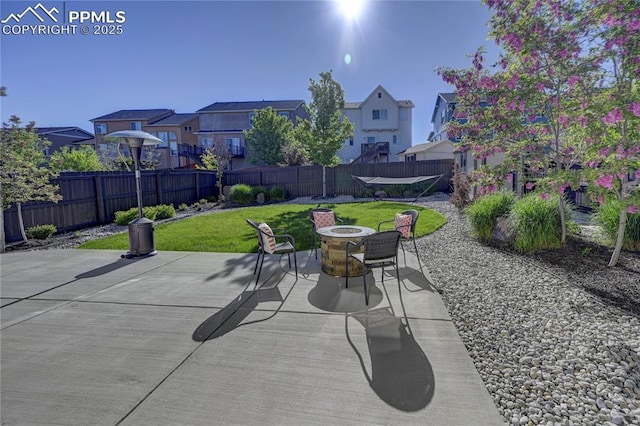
411	234
267	244
380	250
316	226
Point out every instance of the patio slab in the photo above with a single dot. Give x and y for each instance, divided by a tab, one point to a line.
187	338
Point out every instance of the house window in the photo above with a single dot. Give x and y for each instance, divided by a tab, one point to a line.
136	125
285	114
101	128
463	162
411	158
443	116
173	143
379	114
371	139
188	128
395	139
207	143
251	115
350	141
164	138
379	95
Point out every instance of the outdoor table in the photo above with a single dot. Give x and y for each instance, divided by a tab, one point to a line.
334	241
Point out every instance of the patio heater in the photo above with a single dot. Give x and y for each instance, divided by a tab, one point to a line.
141	238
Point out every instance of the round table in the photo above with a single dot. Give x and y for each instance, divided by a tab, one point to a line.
334	241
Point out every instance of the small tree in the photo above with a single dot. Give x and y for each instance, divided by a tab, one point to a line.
216	158
23	174
82	159
327	128
268	134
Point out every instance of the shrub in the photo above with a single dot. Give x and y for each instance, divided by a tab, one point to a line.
461	196
165	211
255	190
276	193
483	214
608	217
41	232
536	223
124	217
183	207
241	194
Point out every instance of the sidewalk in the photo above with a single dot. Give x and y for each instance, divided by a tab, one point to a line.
185	338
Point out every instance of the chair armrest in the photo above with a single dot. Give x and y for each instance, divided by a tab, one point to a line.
287	237
339	220
385	221
354	245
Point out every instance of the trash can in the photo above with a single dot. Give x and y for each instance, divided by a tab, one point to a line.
141	238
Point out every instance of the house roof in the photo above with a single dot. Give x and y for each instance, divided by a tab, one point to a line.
443	97
425	147
252	105
70	131
175	120
400	103
134	114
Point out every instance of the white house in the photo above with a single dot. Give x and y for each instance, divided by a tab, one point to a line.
441	150
382	128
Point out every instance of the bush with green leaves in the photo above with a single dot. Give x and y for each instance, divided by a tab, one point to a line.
255	190
535	220
608	217
483	214
277	193
159	212
183	207
41	232
241	194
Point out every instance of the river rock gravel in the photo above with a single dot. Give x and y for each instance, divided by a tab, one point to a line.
549	351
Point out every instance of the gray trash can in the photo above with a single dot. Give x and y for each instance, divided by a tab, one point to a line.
141	238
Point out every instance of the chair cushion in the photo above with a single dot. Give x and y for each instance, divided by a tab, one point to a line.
268	240
324	219
403	224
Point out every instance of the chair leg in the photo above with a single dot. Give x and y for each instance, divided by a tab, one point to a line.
289	258
255	268
415	246
295	262
315	246
260	270
404	254
346	267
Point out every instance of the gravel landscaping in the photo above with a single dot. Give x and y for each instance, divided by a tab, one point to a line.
546	332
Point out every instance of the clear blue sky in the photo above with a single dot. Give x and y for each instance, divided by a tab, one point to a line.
185	55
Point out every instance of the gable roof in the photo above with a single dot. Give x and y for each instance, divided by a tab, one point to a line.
175	119
400	103
70	131
135	114
252	105
428	146
448	97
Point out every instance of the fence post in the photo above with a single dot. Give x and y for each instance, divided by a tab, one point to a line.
196	177
99	198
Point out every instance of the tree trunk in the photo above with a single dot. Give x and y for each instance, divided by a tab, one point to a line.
618	247
563	220
21	222
324	182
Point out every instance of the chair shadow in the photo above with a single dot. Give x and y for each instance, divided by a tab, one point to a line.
401	374
417	278
233	314
331	295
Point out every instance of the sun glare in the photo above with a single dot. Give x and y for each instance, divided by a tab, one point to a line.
350	8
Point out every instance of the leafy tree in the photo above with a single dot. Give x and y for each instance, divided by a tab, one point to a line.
216	158
82	159
23	173
295	154
268	134
327	128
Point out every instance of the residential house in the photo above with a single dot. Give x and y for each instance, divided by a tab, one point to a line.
125	119
382	128
64	136
227	121
440	150
443	114
179	147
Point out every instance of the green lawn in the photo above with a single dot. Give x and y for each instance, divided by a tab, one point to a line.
228	232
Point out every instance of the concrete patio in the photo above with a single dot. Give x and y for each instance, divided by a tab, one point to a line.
186	338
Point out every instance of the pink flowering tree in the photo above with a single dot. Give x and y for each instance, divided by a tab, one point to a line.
613	129
525	106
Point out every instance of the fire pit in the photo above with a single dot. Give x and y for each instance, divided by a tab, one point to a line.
334	241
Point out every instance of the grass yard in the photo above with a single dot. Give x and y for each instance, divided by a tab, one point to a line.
227	231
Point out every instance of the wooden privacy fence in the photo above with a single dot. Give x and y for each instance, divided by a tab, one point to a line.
305	181
91	199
